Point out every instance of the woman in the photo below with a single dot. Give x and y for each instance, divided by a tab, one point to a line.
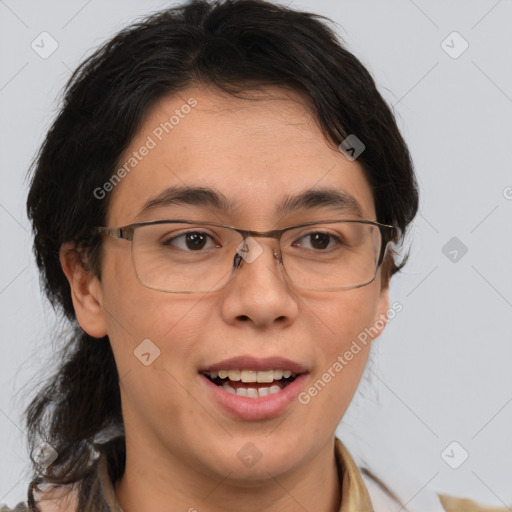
215	211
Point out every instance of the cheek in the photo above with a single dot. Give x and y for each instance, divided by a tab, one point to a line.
135	313
153	336
344	316
344	324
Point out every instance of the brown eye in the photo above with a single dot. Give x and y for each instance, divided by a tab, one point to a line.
317	241
195	240
320	240
192	241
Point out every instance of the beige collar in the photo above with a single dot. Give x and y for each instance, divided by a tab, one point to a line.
354	495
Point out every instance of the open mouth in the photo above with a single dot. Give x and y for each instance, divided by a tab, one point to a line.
251	383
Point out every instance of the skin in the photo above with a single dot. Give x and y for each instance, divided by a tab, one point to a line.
181	446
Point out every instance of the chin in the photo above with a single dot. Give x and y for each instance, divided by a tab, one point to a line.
253	461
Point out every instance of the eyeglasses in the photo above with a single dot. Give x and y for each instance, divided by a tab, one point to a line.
183	256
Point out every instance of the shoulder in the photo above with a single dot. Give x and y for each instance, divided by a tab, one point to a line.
453	504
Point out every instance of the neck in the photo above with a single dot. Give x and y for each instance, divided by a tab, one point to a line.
165	486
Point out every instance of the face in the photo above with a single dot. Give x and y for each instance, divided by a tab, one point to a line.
255	153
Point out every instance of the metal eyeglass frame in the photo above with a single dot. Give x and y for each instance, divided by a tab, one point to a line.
387	232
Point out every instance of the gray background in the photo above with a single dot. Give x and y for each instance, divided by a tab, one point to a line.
441	371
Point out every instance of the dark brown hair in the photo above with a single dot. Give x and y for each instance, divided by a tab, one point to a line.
235	45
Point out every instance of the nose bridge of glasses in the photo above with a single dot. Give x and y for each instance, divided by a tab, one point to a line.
252	246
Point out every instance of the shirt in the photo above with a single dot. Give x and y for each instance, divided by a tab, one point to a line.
355	493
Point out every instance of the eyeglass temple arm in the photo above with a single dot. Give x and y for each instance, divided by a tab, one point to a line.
124	233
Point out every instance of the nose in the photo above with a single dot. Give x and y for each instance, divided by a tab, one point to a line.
258	293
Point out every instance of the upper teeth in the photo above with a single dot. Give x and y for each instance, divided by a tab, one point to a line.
252	375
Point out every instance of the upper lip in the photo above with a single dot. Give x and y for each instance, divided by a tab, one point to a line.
254	363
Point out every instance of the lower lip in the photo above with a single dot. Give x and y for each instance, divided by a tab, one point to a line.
261	408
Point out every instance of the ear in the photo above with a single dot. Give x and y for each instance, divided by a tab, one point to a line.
85	291
382	311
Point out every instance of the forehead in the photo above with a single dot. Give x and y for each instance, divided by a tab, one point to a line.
257	153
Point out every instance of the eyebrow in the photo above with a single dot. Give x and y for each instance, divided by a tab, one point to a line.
210	198
320	198
187	195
